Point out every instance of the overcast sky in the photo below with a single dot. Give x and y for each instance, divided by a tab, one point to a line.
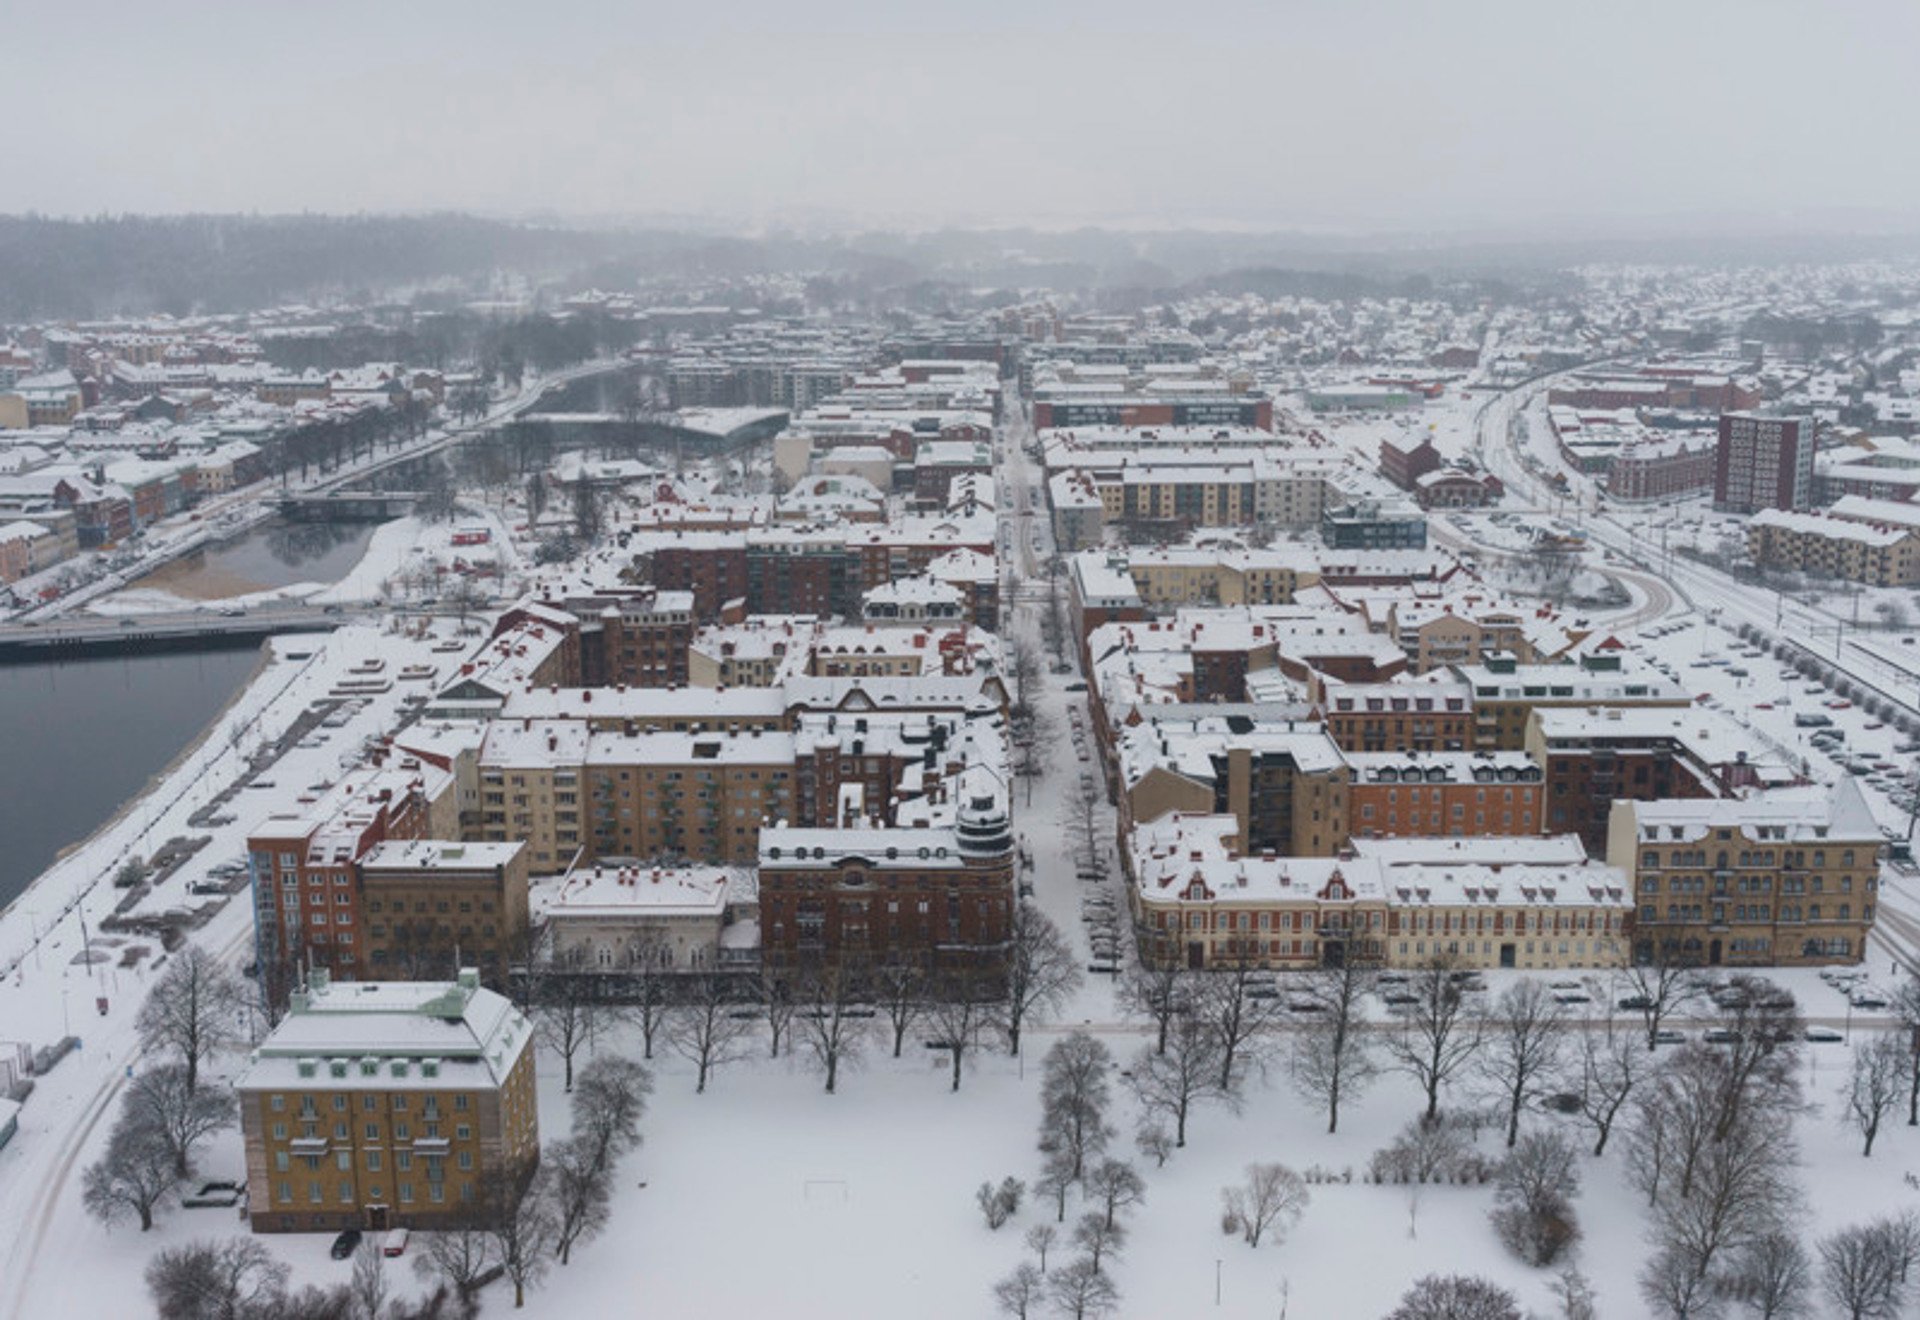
1554	116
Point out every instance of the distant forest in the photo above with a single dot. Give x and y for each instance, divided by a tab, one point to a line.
118	265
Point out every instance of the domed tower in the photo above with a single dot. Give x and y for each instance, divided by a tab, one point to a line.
984	827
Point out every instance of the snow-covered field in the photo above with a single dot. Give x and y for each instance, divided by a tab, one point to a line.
765	1196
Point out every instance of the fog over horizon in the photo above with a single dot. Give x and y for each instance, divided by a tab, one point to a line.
1488	117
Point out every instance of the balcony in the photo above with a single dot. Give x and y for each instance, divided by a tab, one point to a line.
431	1145
309	1145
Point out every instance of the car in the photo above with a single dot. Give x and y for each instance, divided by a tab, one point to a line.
1824	1036
1635	1003
1571	997
395	1243
1668	1036
1399	999
1076	686
1720	1036
1552	985
345	1245
233	611
1871	1000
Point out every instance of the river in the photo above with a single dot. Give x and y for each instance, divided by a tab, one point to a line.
78	738
278	553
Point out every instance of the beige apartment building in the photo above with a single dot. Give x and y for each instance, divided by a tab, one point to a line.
1880	556
1788	878
377	1105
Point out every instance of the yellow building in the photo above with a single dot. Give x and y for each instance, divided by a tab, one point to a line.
1788	878
1199	901
378	1105
1881	556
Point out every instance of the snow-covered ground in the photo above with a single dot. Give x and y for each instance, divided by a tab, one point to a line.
407	558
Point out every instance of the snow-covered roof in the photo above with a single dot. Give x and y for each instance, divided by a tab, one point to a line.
390	1035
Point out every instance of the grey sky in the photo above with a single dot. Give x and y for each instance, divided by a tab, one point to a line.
1510	115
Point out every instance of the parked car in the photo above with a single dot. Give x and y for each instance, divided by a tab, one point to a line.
395	1243
345	1245
1824	1036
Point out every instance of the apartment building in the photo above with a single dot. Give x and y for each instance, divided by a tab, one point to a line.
1506	692
1433	713
302	864
939	897
1763	462
434	906
1593	757
1788	878
1880	556
1284	782
381	1105
1199	901
1444	793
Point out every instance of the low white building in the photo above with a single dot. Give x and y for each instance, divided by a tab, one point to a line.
619	914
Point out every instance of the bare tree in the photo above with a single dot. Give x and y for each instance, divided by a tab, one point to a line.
1270	1200
1073	1100
778	1006
517	1211
1056	1180
1114	1185
1658	989
135	1177
1862	1273
1741	1190
1040	1239
1440	1033
192	1012
1762	1032
1456	1297
1332	1059
1773	1276
1082	1290
1611	1064
608	1104
1041	971
1159	991
1242	1022
833	1024
370	1288
580	1194
710	1028
1020	1292
566	1006
648	986
1906	1006
959	1014
1154	1141
999	1204
1874	1087
900	990
1099	1237
1575	1294
1672	1123
460	1252
1084	816
1533	1206
162	1099
1168	1085
218	1280
1526	1031
1675	1284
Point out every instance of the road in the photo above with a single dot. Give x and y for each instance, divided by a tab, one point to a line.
87	630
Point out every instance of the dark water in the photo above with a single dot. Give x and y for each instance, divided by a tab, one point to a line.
80	737
275	554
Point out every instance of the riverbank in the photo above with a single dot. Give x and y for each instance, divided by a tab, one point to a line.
294	672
